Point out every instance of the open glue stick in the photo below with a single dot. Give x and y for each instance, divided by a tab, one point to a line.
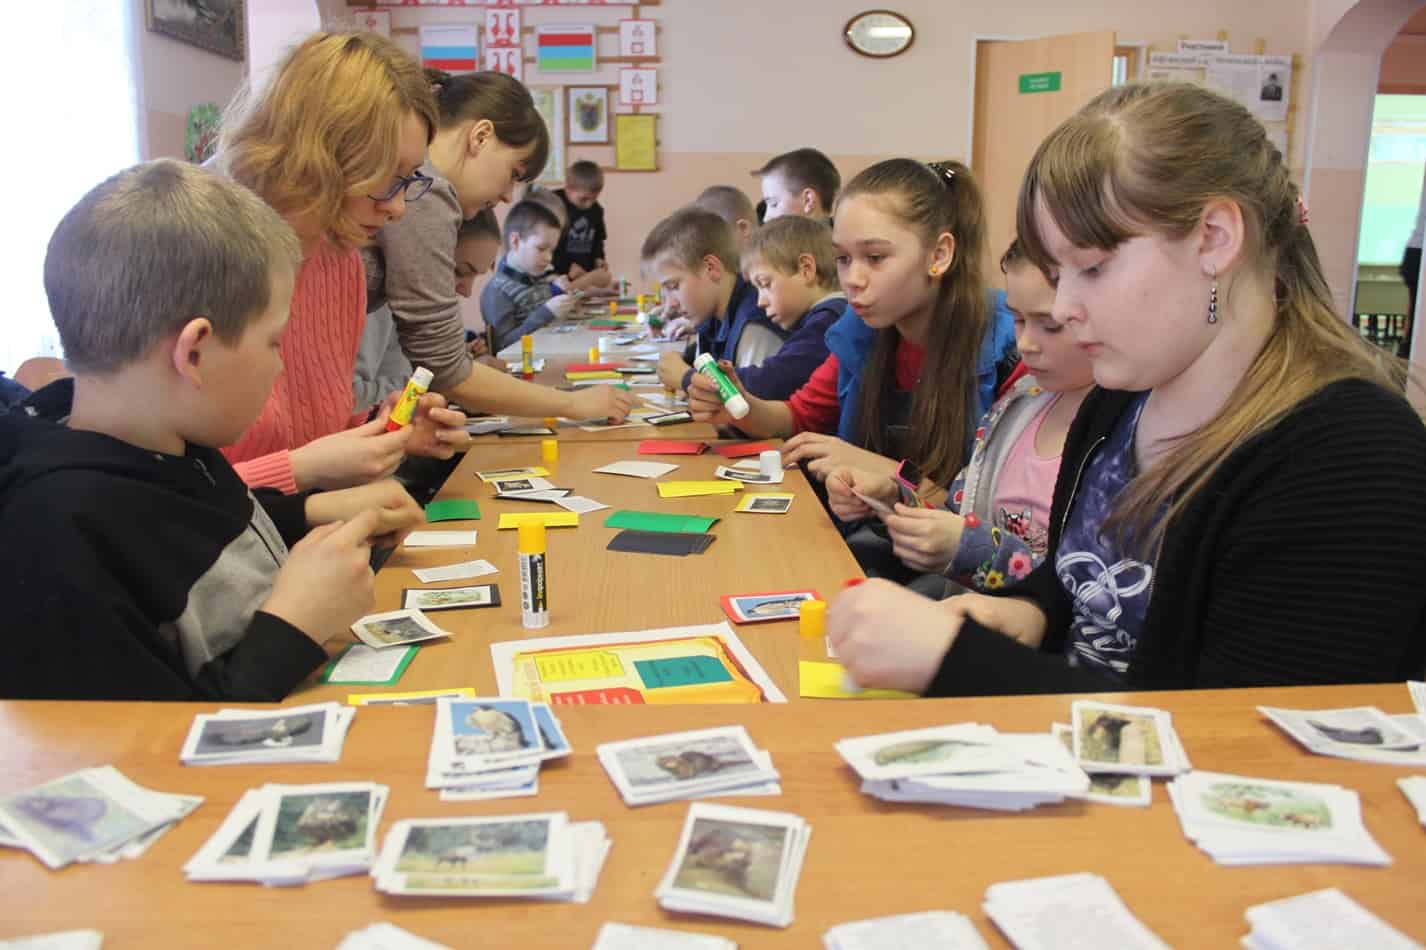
534	595
737	406
527	357
405	407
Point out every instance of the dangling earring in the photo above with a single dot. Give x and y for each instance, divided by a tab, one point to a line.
1213	297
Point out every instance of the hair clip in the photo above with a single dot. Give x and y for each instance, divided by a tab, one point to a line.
1303	213
943	171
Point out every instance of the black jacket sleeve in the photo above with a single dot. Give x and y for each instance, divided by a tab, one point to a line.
288	512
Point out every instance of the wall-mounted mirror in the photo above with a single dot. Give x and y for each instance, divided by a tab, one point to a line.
879	33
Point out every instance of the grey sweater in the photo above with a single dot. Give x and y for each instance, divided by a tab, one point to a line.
411	268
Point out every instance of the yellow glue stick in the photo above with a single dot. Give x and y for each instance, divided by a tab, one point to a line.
405	407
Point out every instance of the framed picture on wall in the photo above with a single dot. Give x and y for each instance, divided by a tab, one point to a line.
589	115
216	25
636	142
549	103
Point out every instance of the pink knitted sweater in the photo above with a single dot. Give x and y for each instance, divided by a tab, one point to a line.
313	394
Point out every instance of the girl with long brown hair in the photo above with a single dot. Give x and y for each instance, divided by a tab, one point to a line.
1236	500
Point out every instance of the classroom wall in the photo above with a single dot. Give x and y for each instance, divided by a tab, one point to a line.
1403	65
173	77
737	86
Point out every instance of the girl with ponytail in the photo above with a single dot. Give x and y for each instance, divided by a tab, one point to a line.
1238	497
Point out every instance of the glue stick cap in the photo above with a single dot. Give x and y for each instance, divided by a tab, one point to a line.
532	537
422	377
812	618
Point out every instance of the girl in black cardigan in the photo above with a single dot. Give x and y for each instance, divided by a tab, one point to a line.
1240	501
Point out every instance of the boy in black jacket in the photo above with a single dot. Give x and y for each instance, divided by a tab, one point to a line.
137	565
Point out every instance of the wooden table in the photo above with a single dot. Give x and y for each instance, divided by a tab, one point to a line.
866	858
593	590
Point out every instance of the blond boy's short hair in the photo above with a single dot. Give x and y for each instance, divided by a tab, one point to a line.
156	246
689	235
728	203
782	241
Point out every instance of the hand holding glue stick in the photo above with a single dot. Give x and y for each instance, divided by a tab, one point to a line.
405	408
728	393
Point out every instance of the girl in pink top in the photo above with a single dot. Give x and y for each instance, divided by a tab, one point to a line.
994	527
333	143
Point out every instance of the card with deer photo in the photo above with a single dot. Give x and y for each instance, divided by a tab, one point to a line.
509	856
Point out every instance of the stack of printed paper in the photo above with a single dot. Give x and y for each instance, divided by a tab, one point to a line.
967	764
614	936
1069	911
696	764
1363	733
736	862
932	930
386	937
1242	820
299	734
540	856
63	940
94	815
491	748
1126	740
1109	788
1321	920
291	834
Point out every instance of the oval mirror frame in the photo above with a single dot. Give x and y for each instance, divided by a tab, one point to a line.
879	34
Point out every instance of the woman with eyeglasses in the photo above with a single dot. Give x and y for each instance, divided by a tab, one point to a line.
489	137
335	143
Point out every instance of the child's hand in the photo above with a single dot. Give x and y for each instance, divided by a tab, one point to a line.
843	485
576	272
327	582
395	509
825	454
562	305
704	402
678	328
889	637
477	347
672	369
926	539
1017	618
351	457
602	402
436	431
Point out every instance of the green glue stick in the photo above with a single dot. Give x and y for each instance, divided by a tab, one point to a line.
737	406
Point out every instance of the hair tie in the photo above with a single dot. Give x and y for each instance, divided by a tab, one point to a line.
1303	213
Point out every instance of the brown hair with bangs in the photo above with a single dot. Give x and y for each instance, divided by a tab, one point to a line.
326	125
503	101
1147	158
932	200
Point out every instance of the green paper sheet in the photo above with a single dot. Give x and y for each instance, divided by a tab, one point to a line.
659	521
453	509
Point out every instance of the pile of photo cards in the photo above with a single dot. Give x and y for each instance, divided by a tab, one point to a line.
967	764
1363	733
94	815
614	936
1109	788
1240	820
385	936
1126	740
695	764
491	748
1066	911
1321	920
736	862
931	930
299	734
285	835
1414	788
540	856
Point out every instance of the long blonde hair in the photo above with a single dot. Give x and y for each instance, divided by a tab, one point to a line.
931	200
1147	158
327	124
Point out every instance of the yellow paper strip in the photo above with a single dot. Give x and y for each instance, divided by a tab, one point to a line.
824	681
559	519
363	699
691	489
593	374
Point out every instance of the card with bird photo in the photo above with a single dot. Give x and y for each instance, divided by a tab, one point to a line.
760	608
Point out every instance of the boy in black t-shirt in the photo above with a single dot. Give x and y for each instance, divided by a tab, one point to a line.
581	247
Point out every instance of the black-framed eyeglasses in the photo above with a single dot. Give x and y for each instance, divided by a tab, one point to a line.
415	185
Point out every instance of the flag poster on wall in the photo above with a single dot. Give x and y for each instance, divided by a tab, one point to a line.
451	48
564	49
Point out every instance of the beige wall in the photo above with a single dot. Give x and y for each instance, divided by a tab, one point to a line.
173	77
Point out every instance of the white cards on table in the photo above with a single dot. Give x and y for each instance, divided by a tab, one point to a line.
1126	740
1414	788
95	814
613	936
930	930
736	862
395	628
1361	733
579	504
691	764
480	425
312	733
1069	911
440	539
1321	920
384	936
492	747
1241	820
454	572
292	834
637	469
62	940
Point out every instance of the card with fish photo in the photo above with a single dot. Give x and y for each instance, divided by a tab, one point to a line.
329	824
396	627
75	815
760	608
1110	788
1359	727
451	598
1133	740
515	856
937	750
222	736
680	764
